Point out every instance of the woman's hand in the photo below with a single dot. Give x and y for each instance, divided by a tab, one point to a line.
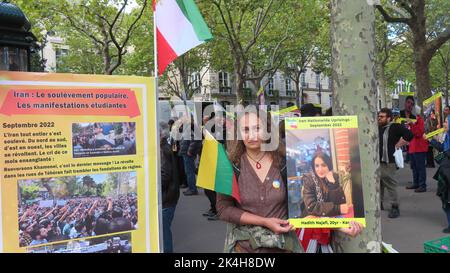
330	177
354	230
344	208
278	225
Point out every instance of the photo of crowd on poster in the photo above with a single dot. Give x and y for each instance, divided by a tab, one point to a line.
71	207
324	173
117	243
103	139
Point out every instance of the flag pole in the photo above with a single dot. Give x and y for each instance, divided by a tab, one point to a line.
156	111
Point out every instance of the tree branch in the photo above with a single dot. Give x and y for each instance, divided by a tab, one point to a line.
125	3
390	19
404	4
119	47
438	42
81	30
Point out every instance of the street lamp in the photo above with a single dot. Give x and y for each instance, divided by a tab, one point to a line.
16	39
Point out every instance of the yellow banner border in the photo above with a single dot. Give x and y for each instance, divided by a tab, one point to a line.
437	132
285	110
321	122
327	222
399	120
432	99
405	94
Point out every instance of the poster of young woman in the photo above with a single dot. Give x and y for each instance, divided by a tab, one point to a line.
324	172
432	113
76	166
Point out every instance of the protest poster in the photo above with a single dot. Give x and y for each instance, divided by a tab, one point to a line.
433	115
75	164
407	109
288	112
324	172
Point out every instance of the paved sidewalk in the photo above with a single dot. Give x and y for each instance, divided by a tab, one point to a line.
421	216
421	219
192	232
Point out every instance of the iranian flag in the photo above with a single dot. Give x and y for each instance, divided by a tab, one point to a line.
179	28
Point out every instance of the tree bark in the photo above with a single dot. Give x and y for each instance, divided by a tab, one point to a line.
297	94
423	81
238	83
382	86
422	57
354	85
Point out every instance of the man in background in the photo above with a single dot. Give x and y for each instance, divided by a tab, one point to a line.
392	136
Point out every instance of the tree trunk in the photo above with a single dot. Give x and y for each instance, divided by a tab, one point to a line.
446	85
422	57
105	50
354	85
423	81
238	83
297	94
382	86
106	60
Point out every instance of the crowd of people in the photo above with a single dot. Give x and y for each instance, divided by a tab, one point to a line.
243	153
77	218
408	131
105	136
403	131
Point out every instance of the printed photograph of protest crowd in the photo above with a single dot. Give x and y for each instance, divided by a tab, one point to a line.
117	243
103	139
324	173
71	207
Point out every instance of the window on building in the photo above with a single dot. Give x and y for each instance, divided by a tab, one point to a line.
60	53
303	79
288	84
195	78
223	79
317	80
270	86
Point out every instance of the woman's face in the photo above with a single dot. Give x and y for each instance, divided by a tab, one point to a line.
251	131
320	167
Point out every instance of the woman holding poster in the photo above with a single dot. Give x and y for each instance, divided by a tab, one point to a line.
258	223
323	194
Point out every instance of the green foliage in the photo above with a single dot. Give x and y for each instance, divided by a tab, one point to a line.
29	192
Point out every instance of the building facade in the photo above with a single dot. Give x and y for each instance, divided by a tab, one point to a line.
54	49
279	90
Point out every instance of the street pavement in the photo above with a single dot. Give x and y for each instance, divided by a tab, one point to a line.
421	216
421	219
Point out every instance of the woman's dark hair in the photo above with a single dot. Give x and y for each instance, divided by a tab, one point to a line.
236	148
328	162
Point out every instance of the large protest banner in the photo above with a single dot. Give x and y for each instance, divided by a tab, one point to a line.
77	173
324	172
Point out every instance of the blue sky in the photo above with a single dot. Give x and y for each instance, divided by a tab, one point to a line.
98	178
